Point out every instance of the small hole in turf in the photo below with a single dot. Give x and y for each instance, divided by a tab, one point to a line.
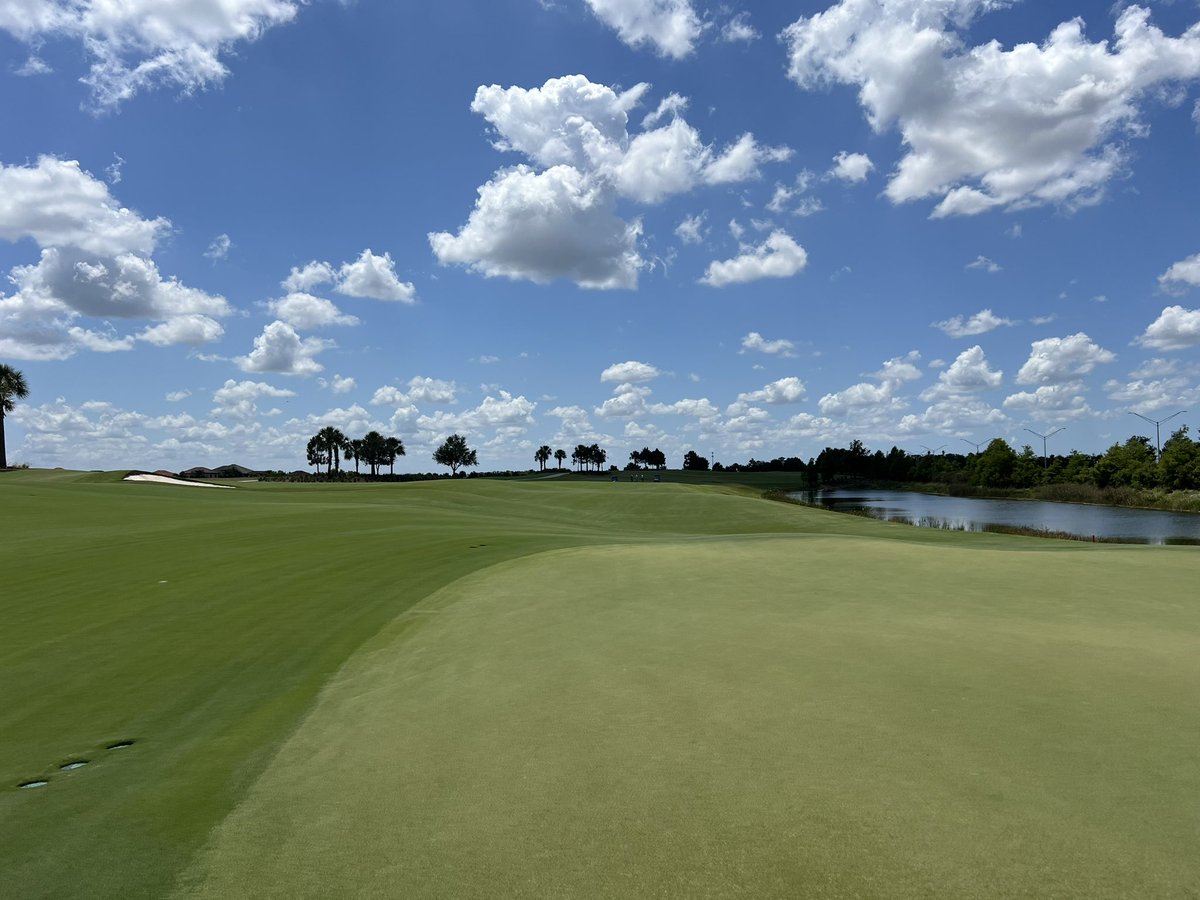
74	764
33	784
119	745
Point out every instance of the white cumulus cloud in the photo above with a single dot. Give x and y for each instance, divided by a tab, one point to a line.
969	326
985	126
779	256
672	27
139	44
279	349
1061	360
1175	328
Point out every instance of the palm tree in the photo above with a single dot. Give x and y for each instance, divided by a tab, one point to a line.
12	388
331	440
375	450
316	454
560	454
542	456
395	447
354	451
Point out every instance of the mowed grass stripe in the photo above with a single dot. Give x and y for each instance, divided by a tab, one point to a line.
203	624
803	716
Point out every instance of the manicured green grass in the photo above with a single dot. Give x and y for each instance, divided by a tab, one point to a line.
573	688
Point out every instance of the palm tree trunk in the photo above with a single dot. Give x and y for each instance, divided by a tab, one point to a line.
3	454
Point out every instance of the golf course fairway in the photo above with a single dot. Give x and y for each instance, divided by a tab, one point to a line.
572	688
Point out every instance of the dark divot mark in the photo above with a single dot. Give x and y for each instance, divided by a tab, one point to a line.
33	784
74	764
119	745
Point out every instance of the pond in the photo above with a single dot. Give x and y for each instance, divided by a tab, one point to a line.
1145	526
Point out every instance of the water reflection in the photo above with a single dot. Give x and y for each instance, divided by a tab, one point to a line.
1074	520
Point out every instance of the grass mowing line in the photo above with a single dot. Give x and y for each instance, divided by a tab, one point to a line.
205	624
762	717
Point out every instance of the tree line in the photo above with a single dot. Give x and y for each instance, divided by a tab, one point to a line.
1135	463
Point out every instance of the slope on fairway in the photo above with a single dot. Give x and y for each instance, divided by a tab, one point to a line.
814	716
203	625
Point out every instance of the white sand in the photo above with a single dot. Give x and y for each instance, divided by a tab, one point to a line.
163	479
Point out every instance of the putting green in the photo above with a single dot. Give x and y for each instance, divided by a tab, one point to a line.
800	716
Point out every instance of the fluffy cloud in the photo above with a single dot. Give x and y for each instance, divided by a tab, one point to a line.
368	276
785	390
1051	402
1175	328
702	408
374	277
986	127
541	226
1061	360
777	257
558	218
980	323
738	30
670	26
95	262
420	390
627	400
504	415
279	349
58	204
191	329
311	275
137	44
755	341
239	399
875	400
306	311
630	372
1181	276
851	167
968	374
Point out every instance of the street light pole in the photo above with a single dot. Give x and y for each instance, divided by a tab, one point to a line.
1157	429
1046	437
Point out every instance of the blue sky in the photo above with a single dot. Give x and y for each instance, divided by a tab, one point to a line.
748	229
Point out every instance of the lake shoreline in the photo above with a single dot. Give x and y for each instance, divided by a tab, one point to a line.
1117	498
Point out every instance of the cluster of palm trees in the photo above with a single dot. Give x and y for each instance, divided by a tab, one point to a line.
12	388
583	456
589	456
329	446
543	454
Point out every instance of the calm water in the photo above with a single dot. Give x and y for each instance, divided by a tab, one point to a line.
971	514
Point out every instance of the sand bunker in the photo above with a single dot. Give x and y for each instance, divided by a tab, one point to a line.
163	479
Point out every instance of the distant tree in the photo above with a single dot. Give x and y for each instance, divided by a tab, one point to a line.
542	456
580	456
994	466
1131	464
316	453
12	388
1179	465
596	456
394	448
354	451
694	461
656	458
455	453
374	450
332	442
559	455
